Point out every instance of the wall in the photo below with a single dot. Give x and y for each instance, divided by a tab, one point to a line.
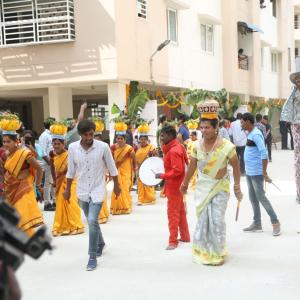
178	65
91	57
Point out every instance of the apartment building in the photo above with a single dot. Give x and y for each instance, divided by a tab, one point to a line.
55	54
263	30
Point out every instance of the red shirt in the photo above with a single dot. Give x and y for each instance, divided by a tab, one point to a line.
175	160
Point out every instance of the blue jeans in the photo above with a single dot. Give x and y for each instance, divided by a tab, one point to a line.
257	195
91	211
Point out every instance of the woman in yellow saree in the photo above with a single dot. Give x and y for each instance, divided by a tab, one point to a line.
146	194
20	170
211	157
67	219
125	162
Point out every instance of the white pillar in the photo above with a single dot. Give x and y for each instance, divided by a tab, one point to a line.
46	106
150	113
60	102
116	94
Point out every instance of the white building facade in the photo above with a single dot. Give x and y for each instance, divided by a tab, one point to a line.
55	54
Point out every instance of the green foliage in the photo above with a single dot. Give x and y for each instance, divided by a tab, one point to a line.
137	104
133	90
193	97
115	109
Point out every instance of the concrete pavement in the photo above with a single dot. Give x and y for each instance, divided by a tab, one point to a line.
136	266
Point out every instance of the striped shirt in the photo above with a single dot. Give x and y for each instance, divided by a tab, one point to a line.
45	141
89	166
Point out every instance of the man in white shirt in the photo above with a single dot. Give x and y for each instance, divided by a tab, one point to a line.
239	138
88	160
45	141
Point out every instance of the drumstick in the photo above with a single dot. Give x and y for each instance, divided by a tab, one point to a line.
153	172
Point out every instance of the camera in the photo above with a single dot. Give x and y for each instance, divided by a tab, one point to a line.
14	243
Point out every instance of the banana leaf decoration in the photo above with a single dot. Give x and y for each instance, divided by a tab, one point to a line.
137	104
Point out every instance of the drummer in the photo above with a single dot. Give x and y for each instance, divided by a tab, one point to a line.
175	160
146	194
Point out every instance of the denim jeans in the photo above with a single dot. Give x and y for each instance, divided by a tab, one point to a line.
257	195
91	211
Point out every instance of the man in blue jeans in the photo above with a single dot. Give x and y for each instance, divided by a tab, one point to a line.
256	162
88	160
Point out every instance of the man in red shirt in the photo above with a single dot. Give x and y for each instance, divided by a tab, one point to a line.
175	160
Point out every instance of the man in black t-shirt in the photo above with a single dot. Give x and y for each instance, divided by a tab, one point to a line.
268	138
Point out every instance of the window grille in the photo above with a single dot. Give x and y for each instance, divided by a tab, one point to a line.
141	8
36	21
98	110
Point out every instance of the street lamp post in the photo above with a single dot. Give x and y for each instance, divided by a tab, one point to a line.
159	48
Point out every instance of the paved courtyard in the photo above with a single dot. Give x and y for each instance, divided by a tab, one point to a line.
136	266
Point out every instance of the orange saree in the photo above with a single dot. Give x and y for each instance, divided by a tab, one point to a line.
20	192
146	194
67	218
123	203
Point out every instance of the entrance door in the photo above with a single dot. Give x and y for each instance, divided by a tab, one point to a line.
21	108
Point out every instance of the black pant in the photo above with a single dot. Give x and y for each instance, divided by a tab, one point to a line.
269	147
284	135
240	154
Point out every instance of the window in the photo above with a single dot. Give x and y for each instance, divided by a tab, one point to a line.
172	25
36	21
274	62
296	52
141	8
207	38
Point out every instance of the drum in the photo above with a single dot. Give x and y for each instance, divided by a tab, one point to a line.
148	169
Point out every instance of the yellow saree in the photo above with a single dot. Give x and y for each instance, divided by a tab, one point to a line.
190	147
104	213
123	203
146	194
67	218
20	192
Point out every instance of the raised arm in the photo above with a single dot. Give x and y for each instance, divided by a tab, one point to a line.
81	112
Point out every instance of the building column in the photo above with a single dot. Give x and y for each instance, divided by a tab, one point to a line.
116	94
255	68
46	106
60	102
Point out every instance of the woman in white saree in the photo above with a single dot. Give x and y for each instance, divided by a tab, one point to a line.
211	157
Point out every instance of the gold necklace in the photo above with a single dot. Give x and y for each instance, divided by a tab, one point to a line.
211	150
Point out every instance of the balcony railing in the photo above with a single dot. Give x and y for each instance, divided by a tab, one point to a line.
297	24
243	62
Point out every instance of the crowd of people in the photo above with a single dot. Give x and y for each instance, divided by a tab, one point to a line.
69	168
